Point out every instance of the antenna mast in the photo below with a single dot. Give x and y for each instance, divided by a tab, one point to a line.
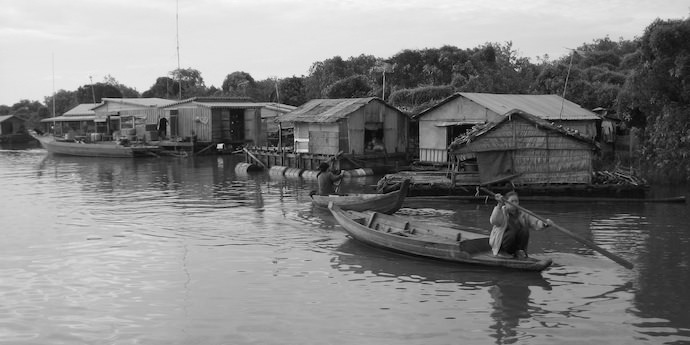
53	58
177	29
93	92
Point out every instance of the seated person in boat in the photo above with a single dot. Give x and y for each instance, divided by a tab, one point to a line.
327	179
511	226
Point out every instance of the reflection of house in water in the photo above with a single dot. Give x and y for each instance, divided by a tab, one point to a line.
441	124
367	130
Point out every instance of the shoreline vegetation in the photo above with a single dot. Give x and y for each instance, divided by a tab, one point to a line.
644	83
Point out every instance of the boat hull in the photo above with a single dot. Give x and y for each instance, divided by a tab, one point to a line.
413	238
387	203
110	150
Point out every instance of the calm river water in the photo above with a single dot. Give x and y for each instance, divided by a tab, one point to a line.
187	251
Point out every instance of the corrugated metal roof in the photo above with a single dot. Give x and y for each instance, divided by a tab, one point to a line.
235	103
328	110
199	100
4	118
65	118
547	107
82	109
143	102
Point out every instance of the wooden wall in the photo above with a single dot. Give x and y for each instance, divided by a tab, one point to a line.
348	134
540	155
433	141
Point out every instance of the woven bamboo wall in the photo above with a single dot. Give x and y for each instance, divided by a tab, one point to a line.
542	156
520	135
553	166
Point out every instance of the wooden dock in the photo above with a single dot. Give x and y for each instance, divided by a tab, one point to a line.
274	156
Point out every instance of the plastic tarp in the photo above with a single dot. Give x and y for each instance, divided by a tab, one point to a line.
494	165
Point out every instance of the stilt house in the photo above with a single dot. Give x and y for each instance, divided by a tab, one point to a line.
527	150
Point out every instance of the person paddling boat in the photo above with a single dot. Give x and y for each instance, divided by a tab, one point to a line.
511	227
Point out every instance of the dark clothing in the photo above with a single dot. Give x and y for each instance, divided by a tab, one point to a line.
327	181
516	236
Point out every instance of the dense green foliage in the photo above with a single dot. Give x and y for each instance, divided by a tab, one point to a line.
646	81
658	92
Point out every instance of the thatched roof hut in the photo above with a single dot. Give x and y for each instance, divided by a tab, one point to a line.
529	148
440	124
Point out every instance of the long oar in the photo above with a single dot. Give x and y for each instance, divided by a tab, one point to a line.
614	257
332	160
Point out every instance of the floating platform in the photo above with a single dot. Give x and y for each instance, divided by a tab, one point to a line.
438	183
379	163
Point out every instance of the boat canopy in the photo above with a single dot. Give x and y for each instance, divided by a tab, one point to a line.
70	118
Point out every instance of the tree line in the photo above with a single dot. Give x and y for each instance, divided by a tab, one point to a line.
645	81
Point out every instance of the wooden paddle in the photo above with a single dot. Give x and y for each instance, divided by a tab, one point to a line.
332	160
614	257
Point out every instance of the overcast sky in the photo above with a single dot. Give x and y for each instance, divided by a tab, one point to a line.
48	45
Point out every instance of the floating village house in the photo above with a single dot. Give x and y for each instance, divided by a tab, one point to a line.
442	123
79	121
368	131
174	123
127	117
527	150
13	130
221	120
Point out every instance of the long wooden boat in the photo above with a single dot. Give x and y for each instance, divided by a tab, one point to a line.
100	149
416	238
387	203
574	199
439	183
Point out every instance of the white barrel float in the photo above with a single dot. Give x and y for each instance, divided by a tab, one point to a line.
310	174
277	170
243	168
293	172
360	172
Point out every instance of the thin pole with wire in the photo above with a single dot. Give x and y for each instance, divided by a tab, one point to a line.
565	87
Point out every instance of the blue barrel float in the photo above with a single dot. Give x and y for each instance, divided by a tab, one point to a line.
360	172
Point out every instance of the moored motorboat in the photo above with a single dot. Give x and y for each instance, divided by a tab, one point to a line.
387	203
437	242
95	149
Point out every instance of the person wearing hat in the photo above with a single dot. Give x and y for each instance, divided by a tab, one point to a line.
327	179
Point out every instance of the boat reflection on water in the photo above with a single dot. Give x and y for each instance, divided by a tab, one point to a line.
509	290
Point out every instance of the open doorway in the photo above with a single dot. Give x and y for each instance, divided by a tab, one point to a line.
373	137
162	128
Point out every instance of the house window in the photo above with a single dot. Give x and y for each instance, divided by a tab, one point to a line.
127	122
173	122
452	132
373	137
